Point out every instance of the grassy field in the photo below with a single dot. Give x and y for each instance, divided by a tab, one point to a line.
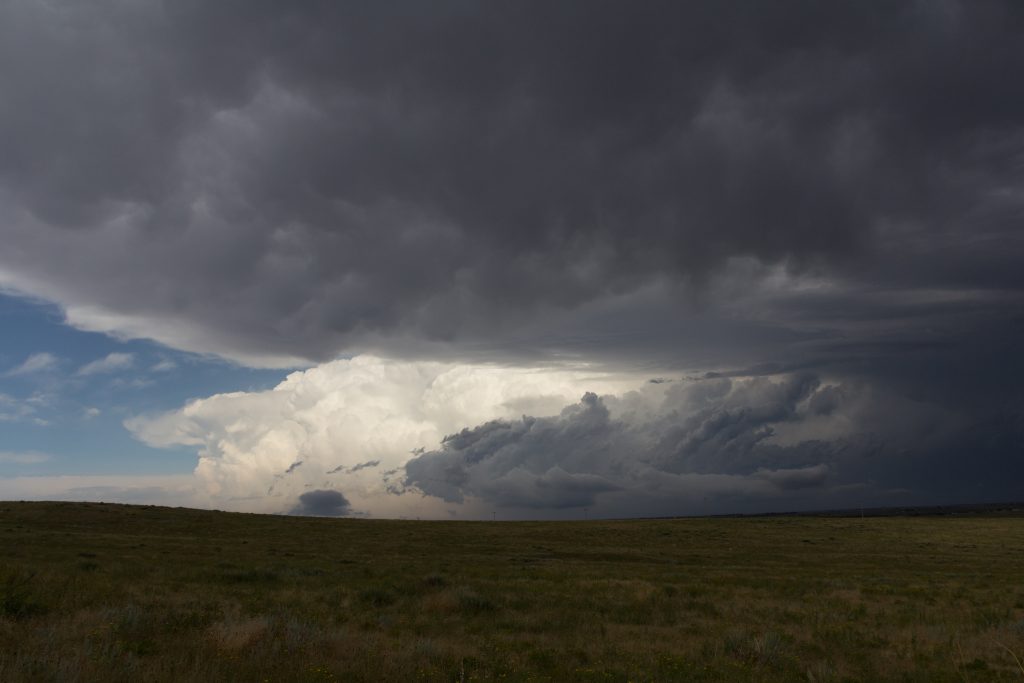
96	592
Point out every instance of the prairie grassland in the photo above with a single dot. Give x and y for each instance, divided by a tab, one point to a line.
94	592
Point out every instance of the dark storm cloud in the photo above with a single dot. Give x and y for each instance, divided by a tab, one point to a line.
707	438
721	445
273	183
322	503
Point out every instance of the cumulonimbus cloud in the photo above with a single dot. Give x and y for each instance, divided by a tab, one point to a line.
420	438
350	423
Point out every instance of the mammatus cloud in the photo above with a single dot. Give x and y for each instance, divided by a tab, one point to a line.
322	503
512	182
113	362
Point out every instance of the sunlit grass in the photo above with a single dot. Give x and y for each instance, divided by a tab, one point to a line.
92	592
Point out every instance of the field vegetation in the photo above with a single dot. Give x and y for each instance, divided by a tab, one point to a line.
94	592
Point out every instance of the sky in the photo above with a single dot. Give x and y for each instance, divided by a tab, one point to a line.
518	260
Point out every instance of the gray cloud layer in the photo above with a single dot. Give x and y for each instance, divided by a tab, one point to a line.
274	184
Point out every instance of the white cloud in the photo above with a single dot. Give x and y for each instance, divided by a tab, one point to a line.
25	458
165	365
13	409
37	362
350	412
111	363
133	383
90	413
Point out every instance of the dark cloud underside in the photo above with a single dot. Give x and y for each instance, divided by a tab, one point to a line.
295	182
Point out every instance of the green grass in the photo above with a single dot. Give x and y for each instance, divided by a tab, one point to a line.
97	592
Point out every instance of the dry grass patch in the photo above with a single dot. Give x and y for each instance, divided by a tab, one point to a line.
238	634
131	593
